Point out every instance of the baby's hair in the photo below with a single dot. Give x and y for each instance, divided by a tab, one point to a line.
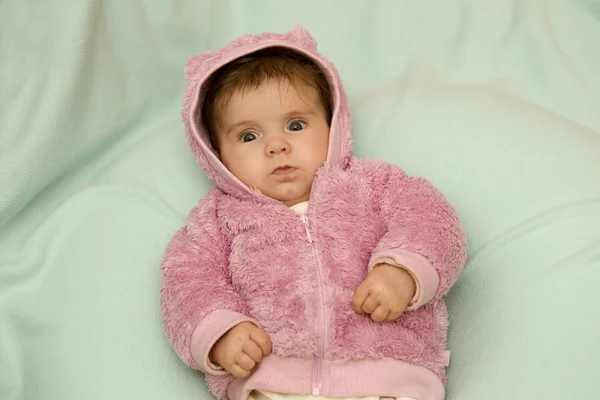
251	71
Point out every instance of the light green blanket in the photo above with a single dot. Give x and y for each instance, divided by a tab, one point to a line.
496	102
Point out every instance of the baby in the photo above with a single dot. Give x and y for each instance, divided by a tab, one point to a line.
305	272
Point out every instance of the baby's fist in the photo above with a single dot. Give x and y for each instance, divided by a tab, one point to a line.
240	349
385	293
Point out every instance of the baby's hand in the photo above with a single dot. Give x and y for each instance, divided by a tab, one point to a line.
240	349
385	293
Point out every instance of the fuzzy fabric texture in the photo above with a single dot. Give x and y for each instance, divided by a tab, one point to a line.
242	253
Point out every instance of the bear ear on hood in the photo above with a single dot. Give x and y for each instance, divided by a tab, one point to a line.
194	64
303	37
297	34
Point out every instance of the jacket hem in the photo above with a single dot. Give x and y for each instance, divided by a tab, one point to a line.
351	378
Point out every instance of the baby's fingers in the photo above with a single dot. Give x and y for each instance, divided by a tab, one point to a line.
238	371
380	314
370	304
358	298
394	315
262	340
253	350
244	361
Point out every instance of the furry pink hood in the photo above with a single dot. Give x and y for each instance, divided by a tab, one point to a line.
200	68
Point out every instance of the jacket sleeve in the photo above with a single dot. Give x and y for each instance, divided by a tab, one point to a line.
198	301
422	232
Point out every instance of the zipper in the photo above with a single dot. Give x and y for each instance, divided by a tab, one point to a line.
317	375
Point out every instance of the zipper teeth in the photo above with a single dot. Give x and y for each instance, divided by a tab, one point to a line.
322	328
317	375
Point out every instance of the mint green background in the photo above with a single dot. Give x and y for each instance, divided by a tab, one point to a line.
497	102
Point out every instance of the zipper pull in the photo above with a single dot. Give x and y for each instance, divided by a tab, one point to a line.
305	222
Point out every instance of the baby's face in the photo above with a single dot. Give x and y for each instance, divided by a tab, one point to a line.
274	139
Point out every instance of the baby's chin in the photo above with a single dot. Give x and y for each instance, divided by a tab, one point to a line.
291	196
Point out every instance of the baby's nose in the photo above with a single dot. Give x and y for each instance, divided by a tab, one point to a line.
282	148
277	146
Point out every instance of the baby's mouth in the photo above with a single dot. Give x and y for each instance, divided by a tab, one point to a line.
284	170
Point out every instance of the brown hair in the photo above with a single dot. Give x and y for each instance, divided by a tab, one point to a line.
251	71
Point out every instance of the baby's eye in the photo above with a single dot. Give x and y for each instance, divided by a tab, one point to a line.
248	137
295	126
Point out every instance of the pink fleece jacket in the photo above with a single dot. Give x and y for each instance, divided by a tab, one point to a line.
245	257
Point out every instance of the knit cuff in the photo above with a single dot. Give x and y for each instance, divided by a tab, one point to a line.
208	332
426	277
